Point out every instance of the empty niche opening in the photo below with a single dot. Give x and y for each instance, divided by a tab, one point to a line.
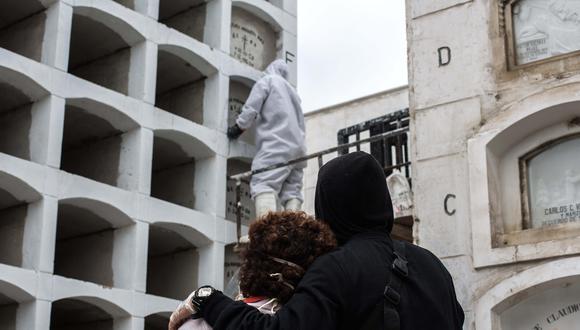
98	54
8	312
22	25
171	259
15	121
239	93
12	221
90	247
232	264
173	174
185	16
253	41
73	314
180	87
93	147
248	211
158	321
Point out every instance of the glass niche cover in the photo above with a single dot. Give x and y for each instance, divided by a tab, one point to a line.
553	309
545	28
553	182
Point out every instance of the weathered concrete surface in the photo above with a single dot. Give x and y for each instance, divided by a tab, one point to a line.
473	120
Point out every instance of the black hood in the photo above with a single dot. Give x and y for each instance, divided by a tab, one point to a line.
352	196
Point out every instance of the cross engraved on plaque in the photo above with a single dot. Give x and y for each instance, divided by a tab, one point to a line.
543	29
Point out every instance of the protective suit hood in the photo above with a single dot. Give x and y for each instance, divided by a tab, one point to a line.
352	196
278	68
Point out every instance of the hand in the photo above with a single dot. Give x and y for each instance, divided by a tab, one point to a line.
234	132
182	313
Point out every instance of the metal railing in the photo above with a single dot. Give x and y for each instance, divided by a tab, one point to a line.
398	134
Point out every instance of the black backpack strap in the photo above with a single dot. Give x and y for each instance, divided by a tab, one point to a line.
399	273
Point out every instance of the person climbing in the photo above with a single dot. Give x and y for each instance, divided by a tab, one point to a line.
273	106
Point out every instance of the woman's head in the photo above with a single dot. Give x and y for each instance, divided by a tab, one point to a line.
294	237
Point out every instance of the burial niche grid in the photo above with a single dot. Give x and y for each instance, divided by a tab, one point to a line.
91	241
94	147
22	26
180	87
185	16
171	259
99	54
73	314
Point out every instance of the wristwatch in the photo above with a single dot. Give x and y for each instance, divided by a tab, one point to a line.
201	295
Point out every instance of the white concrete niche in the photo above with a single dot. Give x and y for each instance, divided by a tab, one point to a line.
180	87
69	314
99	143
91	240
157	322
172	258
237	166
253	41
179	161
185	16
18	110
100	53
22	27
500	233
16	202
239	92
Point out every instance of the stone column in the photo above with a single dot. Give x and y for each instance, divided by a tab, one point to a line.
57	33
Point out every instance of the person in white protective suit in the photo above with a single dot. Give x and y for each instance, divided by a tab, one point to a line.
273	106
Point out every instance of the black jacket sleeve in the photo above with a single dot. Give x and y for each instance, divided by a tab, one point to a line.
317	304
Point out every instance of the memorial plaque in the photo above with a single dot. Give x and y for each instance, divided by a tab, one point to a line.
238	96
248	209
553	309
543	29
554	185
253	41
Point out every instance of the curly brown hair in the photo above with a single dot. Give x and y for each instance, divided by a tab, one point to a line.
291	236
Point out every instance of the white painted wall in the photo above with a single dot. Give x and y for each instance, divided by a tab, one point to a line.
472	119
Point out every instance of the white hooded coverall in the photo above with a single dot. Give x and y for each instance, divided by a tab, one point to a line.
274	106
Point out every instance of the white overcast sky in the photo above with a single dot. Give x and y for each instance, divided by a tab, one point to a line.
348	49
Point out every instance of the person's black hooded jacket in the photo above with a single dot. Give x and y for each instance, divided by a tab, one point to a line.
341	289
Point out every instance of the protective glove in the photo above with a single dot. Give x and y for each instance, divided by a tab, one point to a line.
234	132
182	313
